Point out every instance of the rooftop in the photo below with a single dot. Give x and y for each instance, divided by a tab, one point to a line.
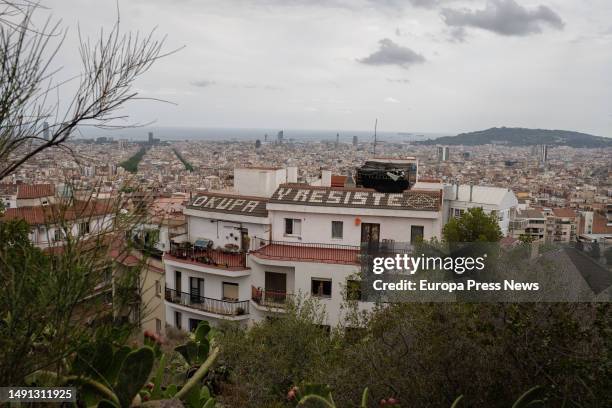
230	203
39	215
302	194
27	191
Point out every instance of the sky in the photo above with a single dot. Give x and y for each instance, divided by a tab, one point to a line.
441	66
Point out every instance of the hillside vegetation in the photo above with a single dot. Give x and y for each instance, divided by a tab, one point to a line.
523	137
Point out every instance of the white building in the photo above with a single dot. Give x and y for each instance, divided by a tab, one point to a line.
493	200
244	256
247	252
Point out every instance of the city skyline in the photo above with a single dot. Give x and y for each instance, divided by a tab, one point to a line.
427	66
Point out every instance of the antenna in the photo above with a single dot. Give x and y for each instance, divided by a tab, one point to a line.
375	126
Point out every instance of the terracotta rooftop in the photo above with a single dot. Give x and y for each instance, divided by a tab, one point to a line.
39	215
564	212
26	191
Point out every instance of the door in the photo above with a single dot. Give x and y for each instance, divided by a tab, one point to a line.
177	283
196	289
276	287
245	241
370	234
416	233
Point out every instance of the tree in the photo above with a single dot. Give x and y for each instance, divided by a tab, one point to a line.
474	225
49	300
110	65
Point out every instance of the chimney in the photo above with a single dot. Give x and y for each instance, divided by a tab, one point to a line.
471	190
292	174
326	178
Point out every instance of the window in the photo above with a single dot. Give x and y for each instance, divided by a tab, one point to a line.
353	289
458	212
416	233
230	291
337	229
84	228
178	320
58	234
321	288
293	226
158	327
158	288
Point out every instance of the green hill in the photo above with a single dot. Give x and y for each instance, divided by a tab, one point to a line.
523	137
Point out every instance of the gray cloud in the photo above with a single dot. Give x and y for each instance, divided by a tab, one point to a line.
505	17
390	53
202	83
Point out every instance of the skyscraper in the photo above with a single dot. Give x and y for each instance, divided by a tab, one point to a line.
542	154
45	130
443	153
355	141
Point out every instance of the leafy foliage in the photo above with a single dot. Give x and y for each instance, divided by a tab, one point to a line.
131	164
474	225
429	354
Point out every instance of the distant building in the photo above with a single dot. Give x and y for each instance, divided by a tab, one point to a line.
152	140
355	141
529	223
280	136
46	131
443	153
542	154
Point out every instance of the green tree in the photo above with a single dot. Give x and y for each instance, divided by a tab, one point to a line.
474	225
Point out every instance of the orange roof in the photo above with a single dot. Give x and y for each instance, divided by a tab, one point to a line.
25	191
48	215
564	212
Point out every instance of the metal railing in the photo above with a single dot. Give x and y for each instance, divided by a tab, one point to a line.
270	298
209	256
316	252
221	307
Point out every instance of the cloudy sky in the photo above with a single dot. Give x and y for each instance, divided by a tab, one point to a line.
416	65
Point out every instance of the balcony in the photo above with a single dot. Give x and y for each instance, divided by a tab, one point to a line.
270	298
208	305
217	258
312	252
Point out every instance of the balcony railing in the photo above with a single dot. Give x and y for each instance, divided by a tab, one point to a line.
270	298
314	252
209	256
220	307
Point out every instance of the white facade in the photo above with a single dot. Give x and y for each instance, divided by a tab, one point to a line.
306	242
257	181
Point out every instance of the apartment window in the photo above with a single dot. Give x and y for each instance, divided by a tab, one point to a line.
321	288
230	291
416	233
158	288
58	234
293	226
178	318
353	289
337	229
158	327
84	228
458	212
